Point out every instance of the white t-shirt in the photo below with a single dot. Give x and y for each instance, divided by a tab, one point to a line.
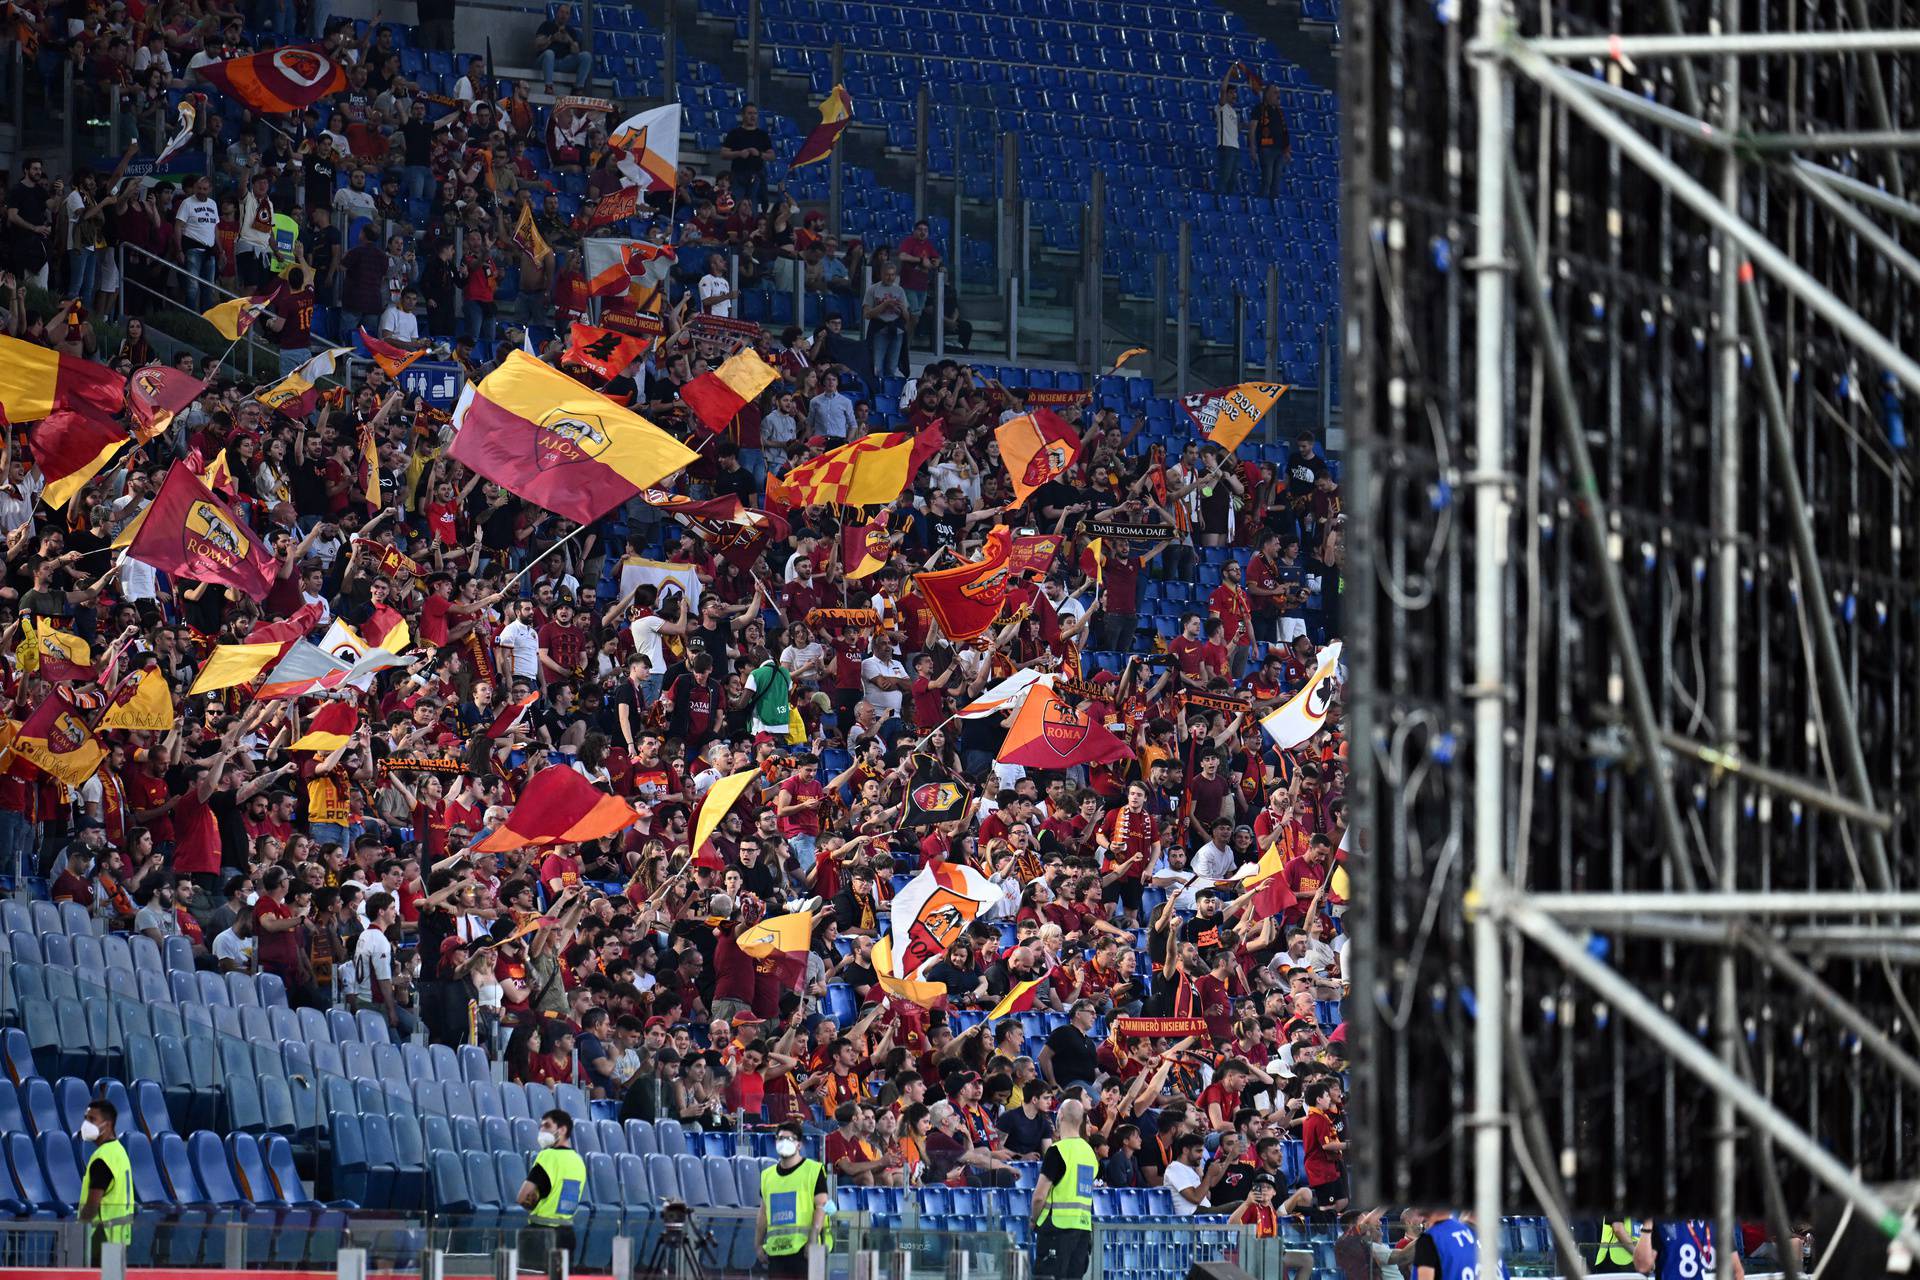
1178	1178
646	641
525	643
1214	862
232	947
794	657
199	218
402	326
885	702
716	287
372	958
1226	118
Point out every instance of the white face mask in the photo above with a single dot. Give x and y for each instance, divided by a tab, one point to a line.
89	1131
785	1148
548	1138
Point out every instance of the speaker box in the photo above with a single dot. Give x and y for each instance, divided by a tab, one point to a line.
1217	1271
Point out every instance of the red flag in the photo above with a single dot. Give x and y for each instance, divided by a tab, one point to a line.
1048	734
389	357
559	807
722	508
286	630
602	351
1037	448
836	113
190	533
71	448
616	207
740	539
277	81
34	381
967	598
155	393
863	549
510	715
332	727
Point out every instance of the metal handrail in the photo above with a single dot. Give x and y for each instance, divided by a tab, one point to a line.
181	276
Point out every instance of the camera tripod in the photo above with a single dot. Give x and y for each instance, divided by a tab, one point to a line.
676	1254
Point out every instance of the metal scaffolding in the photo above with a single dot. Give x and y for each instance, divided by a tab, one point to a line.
1709	158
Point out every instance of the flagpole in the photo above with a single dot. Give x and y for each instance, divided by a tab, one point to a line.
578	530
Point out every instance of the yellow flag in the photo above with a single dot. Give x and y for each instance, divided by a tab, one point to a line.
1227	415
796	727
913	990
788	933
142	702
27	653
232	664
1013	998
720	798
127	535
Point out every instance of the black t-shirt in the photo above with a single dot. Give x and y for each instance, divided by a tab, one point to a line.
31	204
738	482
1119	1169
322	245
716	640
1303	474
1233	1187
560	40
320	172
418	137
743	139
938	531
1426	1254
1025	1133
308	483
1073	1055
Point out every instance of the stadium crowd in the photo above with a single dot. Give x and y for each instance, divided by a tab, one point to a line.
351	872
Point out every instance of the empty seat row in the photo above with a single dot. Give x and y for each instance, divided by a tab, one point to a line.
45	918
478	1100
486	1182
202	1171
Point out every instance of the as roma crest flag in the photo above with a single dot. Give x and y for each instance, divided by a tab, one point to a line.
725	507
646	148
785	940
34	381
56	739
1226	416
967	598
836	113
70	449
277	81
1038	448
602	351
616	207
526	234
155	393
741	538
1305	713
934	795
933	909
544	437
559	807
864	550
1049	734
62	656
189	532
143	701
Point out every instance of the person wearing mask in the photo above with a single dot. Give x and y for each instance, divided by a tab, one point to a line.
1063	1200
107	1202
551	1193
793	1206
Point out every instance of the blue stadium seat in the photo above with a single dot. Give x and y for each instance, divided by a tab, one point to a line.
670	1137
347	1155
383	1183
29	1192
663	1177
60	1160
215	1174
640	1138
449	1184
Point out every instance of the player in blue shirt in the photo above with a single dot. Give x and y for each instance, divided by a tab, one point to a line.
1682	1250
1447	1250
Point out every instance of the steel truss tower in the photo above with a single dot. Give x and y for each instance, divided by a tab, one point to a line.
1629	325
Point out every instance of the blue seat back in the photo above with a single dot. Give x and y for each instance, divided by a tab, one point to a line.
61	1162
632	1170
449	1181
250	1170
43	1113
287	1183
342	1027
483	1183
603	1180
29	1180
215	1173
177	1167
149	1188
693	1180
671	1138
662	1177
640	1138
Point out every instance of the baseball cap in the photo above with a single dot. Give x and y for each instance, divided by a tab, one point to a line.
657	1020
450	945
746	1018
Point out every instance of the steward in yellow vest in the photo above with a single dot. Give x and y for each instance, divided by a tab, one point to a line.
106	1199
793	1206
552	1192
1063	1199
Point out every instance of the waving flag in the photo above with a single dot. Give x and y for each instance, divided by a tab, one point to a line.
720	797
1037	449
70	449
296	394
785	940
34	381
190	533
187	113
1273	894
740	538
558	806
526	234
331	728
615	265
277	81
933	909
726	507
934	795
392	359
871	471
666	578
614	207
864	550
1305	713
233	664
155	393
1226	416
966	598
717	396
305	668
836	113
602	352
59	655
1019	999
646	148
510	715
1049	734
143	701
234	317
56	739
544	437
1005	695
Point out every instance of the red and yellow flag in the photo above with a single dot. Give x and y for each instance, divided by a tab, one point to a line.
59	655
526	232
871	471
836	113
967	598
277	81
559	807
34	381
143	701
391	359
71	448
1049	734
864	550
234	317
1273	894
1037	449
1018	1000
188	532
332	727
716	396
616	206
155	393
785	940
56	739
544	437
